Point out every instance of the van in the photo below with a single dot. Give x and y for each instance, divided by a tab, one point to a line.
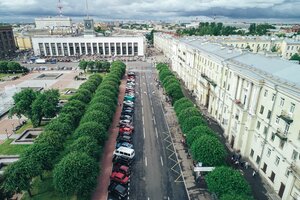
124	152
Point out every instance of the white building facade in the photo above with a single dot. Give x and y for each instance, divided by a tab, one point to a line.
53	22
74	46
255	99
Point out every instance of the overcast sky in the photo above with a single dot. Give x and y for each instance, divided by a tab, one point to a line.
27	10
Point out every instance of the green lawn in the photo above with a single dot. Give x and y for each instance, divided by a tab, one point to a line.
2	75
12	149
24	127
44	190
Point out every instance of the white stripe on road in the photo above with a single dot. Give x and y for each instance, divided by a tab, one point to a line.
152	110
142	111
143	120
156	132
150	102
146	161
144	132
161	161
154	120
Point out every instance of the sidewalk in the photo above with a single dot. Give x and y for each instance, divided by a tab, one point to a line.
259	189
195	190
101	191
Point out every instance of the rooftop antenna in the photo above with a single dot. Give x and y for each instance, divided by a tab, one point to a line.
59	7
87	9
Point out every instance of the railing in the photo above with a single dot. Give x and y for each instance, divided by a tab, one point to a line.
286	117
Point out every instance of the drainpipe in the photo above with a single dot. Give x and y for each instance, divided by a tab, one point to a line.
268	128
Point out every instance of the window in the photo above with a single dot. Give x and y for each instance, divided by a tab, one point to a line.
277	160
272	177
266	93
269	152
286	128
264	169
258	125
294	155
265	130
261	109
273	136
257	159
273	97
292	108
269	114
251	153
228	87
281	144
287	172
281	102
277	120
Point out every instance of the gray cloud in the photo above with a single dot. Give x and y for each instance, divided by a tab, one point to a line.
151	9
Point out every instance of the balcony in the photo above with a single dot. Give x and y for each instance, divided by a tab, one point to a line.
238	102
281	134
208	80
287	117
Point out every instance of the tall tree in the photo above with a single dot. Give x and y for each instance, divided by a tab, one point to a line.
83	65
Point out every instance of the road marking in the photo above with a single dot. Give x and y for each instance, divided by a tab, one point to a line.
152	109
142	110
168	198
154	120
161	161
148	198
150	102
144	132
146	161
143	120
156	132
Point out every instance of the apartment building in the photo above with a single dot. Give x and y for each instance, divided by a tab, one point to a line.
255	98
7	43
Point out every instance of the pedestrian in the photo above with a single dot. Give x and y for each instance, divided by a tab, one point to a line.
246	165
254	173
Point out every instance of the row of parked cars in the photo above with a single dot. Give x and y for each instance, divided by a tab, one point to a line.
124	153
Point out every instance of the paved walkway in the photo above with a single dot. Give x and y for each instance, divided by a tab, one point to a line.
101	191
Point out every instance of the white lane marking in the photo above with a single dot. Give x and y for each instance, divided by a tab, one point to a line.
168	198
146	161
142	110
154	120
156	132
142	104
150	102
143	120
152	109
144	132
148	198
161	161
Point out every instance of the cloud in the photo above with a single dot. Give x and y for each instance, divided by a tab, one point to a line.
152	9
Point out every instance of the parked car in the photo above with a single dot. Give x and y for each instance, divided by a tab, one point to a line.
128	105
124	138
127	125
125	129
123	117
118	190
131	73
122	168
124	144
128	102
122	161
130	98
119	177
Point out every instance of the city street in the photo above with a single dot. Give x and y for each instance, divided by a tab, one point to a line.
156	174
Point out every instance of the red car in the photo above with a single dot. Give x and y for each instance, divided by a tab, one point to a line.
125	129
122	168
127	126
119	177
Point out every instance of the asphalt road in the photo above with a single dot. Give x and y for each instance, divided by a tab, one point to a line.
155	169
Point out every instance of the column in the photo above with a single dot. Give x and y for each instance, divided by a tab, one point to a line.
97	44
68	46
103	48
109	50
56	49
62	49
50	49
121	48
126	48
92	48
80	51
86	51
44	46
132	48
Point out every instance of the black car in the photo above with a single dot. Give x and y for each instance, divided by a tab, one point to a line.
124	138
118	190
122	161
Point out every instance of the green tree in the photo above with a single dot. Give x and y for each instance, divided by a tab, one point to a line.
187	113
197	132
102	107
192	122
45	105
83	65
86	144
175	92
97	116
23	103
90	65
225	180
76	174
3	66
92	129
18	175
42	153
183	106
208	150
295	57
51	138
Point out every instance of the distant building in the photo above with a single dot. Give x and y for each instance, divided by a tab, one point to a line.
89	44
23	42
7	42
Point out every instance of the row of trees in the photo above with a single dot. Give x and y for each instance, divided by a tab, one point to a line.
212	28
169	82
205	147
94	66
82	154
260	29
9	67
35	105
48	147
